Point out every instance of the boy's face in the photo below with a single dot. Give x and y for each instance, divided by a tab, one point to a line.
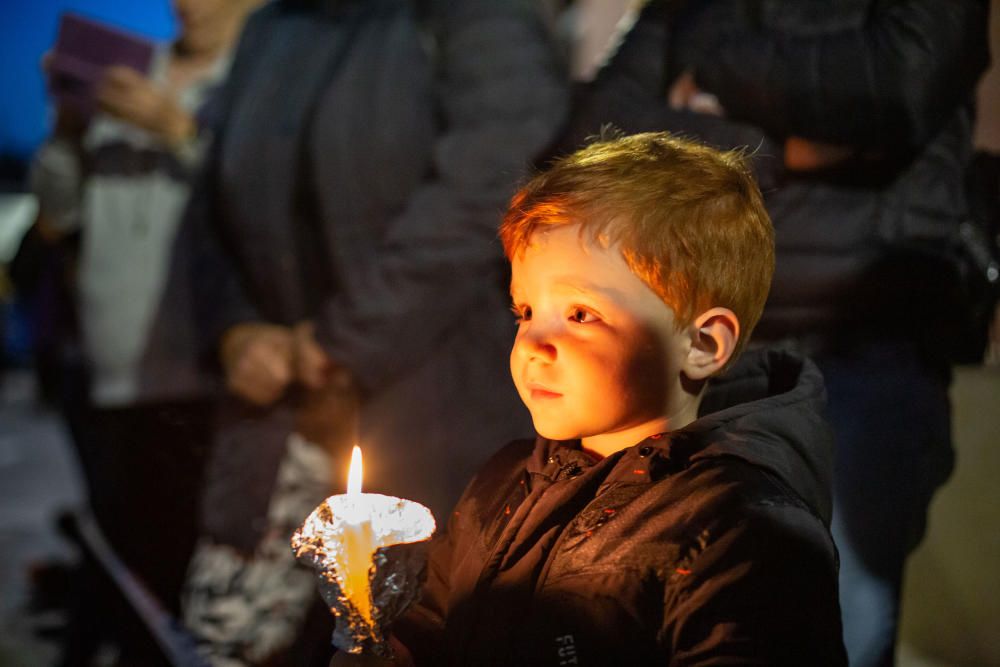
597	351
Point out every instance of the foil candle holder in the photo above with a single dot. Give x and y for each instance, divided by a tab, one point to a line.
370	553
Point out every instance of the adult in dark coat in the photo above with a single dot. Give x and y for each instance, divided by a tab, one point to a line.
343	240
858	111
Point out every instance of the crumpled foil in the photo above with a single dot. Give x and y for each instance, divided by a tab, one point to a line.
402	529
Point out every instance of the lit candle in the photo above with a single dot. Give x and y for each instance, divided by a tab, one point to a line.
358	542
365	549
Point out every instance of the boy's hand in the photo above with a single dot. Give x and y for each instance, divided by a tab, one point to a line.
257	360
128	95
401	658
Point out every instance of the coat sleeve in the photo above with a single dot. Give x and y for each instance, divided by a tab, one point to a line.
890	80
55	177
629	94
220	300
219	297
421	628
502	98
764	592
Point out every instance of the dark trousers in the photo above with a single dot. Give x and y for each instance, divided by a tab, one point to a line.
143	467
889	406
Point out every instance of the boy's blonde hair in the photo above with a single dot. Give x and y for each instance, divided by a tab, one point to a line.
689	220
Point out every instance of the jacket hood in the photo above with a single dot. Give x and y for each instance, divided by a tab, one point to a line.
769	411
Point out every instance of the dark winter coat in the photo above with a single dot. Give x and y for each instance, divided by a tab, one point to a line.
891	79
708	545
364	157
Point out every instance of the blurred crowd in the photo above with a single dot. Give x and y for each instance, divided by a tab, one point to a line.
281	241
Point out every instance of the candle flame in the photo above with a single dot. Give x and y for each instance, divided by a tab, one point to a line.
354	474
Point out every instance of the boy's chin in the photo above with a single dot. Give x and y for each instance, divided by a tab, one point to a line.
556	431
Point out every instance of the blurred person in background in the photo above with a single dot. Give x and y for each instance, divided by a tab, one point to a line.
858	117
120	178
350	283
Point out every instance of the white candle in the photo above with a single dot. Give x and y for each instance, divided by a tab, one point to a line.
359	542
339	539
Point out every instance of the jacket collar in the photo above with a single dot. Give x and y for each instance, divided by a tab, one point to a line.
767	410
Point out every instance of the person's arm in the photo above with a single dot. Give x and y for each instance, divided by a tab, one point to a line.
56	174
890	81
255	356
134	98
55	177
764	592
630	93
502	98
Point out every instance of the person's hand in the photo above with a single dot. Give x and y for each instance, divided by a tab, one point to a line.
128	95
70	123
342	659
401	657
326	408
807	155
312	365
257	360
685	94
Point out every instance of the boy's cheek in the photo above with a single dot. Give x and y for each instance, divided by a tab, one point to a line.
554	423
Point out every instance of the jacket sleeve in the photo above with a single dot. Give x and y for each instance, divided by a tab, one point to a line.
421	628
764	592
55	177
889	80
502	98
220	299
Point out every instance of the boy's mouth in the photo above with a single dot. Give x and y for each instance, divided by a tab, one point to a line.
541	392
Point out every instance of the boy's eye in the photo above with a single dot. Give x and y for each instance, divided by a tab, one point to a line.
521	313
582	316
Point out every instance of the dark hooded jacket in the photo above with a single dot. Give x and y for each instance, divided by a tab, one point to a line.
707	545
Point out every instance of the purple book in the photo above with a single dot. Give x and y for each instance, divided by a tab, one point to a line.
83	49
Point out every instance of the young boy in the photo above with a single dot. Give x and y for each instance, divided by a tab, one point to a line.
633	531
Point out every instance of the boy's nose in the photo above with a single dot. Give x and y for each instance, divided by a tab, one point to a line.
535	343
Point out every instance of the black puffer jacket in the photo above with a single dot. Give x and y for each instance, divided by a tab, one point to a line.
704	546
892	80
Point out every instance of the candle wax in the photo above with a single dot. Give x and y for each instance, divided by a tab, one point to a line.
358	548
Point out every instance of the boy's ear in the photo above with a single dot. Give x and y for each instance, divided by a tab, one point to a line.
714	334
